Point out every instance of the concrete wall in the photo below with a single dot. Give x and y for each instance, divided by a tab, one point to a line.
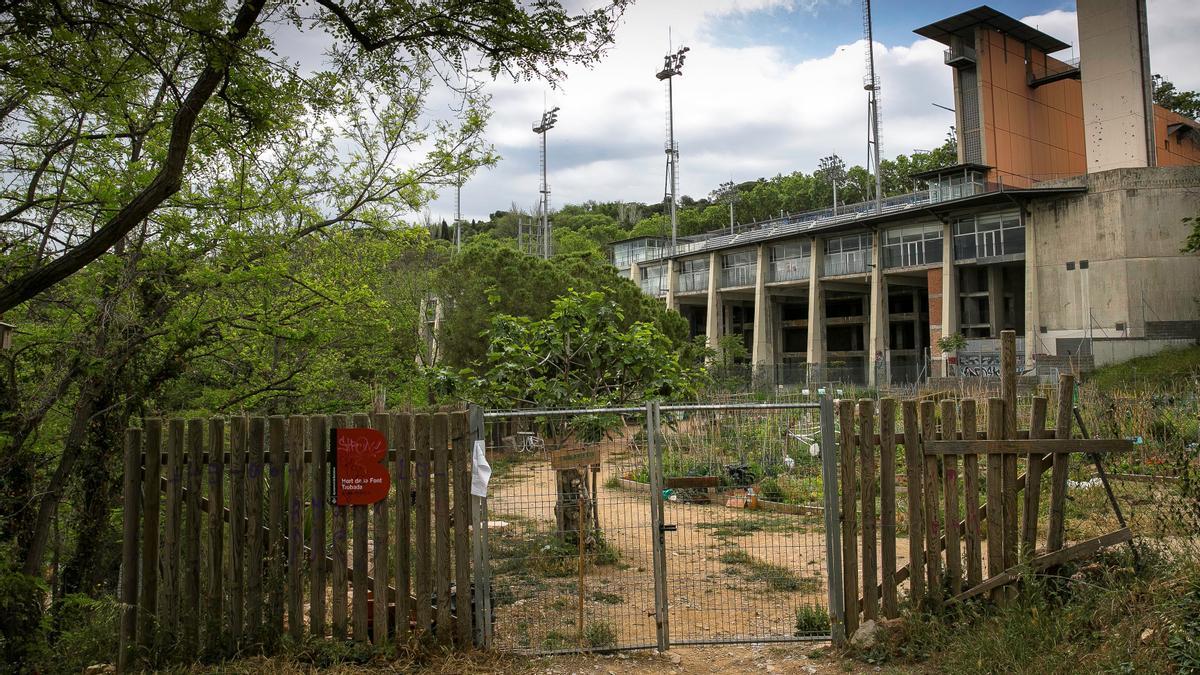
1030	134
1128	227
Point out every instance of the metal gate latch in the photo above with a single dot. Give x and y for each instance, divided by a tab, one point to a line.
667	528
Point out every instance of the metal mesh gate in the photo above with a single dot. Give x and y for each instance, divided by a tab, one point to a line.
710	529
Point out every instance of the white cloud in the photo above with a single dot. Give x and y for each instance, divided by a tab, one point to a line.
741	112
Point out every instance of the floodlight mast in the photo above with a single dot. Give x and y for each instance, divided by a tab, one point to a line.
871	84
672	66
549	118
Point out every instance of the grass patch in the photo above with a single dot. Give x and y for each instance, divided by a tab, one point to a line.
524	551
606	598
1099	616
776	577
743	526
1165	367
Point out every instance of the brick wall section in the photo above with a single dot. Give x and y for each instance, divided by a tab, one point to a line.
935	310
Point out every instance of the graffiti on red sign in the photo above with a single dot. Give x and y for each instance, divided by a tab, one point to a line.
359	473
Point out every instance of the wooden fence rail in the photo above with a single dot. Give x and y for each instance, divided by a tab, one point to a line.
229	517
951	535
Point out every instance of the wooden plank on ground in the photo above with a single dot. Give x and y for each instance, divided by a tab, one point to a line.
402	437
423	567
692	482
341	591
1056	527
870	576
214	609
1045	446
237	510
190	613
461	462
849	516
360	514
441	515
913	462
131	498
931	508
1033	480
887	505
277	524
295	531
995	492
318	441
256	551
381	568
172	525
950	495
1082	549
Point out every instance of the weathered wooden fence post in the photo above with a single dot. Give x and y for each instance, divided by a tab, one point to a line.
132	497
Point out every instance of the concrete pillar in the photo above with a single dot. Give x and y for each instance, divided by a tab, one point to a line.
672	284
762	354
1033	316
995	300
1118	120
714	317
949	283
635	273
816	306
878	310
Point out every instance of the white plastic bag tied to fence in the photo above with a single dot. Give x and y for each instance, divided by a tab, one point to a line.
481	471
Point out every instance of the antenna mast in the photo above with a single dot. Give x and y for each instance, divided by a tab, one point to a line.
871	84
672	66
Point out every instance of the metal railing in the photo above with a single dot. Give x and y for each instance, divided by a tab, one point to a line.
792	269
849	262
959	53
656	286
738	275
692	282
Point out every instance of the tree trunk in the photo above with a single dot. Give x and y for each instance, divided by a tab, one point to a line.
572	487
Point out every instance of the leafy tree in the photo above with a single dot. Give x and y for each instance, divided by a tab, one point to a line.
183	226
1186	103
489	278
110	117
1192	243
585	353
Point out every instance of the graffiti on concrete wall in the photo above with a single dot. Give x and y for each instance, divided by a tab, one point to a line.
986	364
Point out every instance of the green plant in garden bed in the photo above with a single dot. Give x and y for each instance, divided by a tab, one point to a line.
776	577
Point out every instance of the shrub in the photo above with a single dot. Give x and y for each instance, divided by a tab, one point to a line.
811	620
83	630
600	635
22	620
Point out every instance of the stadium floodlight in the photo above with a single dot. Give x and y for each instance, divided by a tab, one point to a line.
549	119
672	66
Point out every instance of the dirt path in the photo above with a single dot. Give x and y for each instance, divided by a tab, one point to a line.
732	573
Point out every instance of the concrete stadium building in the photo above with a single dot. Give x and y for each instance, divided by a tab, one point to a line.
1062	220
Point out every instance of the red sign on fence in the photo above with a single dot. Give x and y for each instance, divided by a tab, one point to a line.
359	475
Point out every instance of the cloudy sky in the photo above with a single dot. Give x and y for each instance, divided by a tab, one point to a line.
768	87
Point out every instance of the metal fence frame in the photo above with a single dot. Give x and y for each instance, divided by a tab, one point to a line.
653	410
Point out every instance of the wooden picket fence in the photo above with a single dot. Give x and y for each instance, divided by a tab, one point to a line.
948	527
229	543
